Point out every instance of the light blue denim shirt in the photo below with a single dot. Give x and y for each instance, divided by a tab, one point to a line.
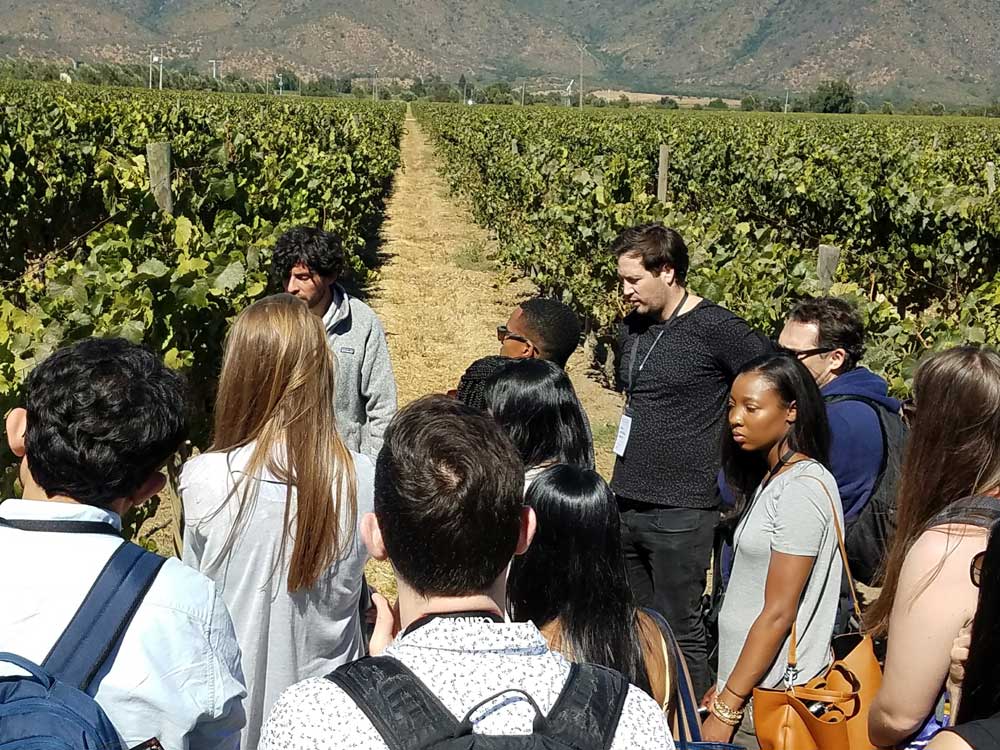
177	675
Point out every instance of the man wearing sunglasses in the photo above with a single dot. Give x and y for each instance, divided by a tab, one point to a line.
866	432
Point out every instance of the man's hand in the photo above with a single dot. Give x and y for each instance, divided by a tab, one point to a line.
386	624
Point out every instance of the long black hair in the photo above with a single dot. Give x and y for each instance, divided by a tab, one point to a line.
574	571
981	687
809	434
534	401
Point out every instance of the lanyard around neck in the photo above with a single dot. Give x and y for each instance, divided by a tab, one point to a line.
632	375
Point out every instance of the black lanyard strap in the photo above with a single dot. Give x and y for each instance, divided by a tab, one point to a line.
64	527
635	344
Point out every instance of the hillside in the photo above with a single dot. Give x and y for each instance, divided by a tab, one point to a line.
910	48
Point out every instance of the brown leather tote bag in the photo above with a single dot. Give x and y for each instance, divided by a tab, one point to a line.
830	712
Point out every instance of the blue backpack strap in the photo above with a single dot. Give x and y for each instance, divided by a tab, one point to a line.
689	723
103	617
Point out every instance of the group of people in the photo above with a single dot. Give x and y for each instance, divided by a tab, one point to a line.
533	596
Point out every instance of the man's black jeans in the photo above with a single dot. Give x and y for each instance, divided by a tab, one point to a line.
668	551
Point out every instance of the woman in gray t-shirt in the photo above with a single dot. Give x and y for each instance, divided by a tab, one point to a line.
785	565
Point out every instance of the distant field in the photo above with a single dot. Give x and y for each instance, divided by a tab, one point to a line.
645	98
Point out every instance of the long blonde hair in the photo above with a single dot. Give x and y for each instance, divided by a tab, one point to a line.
277	392
953	452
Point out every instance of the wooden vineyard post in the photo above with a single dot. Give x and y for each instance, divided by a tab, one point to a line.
662	173
829	259
158	159
513	146
991	177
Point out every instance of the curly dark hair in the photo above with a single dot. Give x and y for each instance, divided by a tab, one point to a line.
839	323
553	326
103	415
322	252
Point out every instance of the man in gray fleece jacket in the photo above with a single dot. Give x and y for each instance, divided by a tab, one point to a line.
307	263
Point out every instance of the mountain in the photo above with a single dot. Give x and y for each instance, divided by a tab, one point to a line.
908	48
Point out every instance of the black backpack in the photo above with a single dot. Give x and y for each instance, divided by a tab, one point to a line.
867	537
410	717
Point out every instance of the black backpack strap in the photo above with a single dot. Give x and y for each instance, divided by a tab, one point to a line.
978	510
402	709
70	527
587	711
102	619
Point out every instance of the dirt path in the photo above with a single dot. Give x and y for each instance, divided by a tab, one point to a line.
440	296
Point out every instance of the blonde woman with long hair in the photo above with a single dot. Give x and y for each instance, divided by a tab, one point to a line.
272	508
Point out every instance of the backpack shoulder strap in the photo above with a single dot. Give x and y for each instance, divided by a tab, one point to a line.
587	711
96	629
402	709
978	510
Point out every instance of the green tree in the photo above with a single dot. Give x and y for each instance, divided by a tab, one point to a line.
887	108
832	97
668	102
748	103
717	104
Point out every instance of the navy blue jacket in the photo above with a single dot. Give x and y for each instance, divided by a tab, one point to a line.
855	436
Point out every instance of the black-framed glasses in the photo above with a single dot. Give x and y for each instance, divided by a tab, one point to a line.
800	354
504	333
976	568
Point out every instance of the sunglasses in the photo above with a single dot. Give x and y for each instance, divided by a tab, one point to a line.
976	568
799	354
503	333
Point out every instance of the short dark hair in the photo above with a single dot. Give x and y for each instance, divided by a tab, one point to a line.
103	415
657	245
449	490
322	252
839	323
534	401
472	386
554	328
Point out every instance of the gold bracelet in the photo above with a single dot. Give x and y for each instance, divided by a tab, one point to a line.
728	716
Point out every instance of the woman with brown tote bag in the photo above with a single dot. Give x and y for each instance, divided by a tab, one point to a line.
785	568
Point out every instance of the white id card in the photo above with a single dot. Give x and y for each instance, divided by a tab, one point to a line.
624	428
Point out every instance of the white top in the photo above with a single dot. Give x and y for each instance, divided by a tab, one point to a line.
463	662
284	637
177	675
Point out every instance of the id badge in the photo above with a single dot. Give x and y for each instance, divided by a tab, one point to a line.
624	429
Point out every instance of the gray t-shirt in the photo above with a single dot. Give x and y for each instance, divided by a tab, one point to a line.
792	515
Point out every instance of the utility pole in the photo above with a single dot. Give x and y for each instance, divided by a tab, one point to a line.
786	101
582	47
214	63
375	85
152	59
522	94
161	69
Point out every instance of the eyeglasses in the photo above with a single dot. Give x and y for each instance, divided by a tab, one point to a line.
503	333
976	568
799	354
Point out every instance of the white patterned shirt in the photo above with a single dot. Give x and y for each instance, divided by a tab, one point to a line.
463	662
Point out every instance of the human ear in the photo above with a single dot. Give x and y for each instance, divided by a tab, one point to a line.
16	425
836	359
792	414
526	532
371	535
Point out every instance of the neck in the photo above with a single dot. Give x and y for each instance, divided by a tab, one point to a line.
32	491
776	452
675	293
413	606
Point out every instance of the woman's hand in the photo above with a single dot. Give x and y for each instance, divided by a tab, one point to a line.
386	624
956	673
713	730
709	697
